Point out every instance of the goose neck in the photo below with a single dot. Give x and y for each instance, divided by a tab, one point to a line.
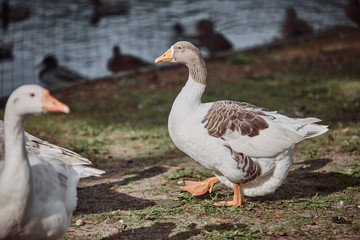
16	174
191	93
14	136
197	71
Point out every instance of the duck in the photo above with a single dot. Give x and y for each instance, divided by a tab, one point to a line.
14	13
120	62
294	27
6	50
54	76
215	42
5	18
246	147
353	11
38	186
180	35
109	8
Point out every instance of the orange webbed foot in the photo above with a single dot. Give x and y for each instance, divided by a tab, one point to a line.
237	199
229	203
200	188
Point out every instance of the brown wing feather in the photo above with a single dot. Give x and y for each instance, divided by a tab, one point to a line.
236	116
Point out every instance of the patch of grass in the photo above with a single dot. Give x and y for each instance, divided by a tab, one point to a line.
351	146
158	212
239	58
189	173
186	197
95	235
230	231
314	202
95	217
88	146
161	190
207	206
355	164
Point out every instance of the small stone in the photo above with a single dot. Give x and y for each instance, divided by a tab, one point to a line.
122	226
180	182
80	222
308	215
341	204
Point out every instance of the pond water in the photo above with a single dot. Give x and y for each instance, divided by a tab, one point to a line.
63	28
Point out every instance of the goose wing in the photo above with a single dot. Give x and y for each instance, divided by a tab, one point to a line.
257	132
43	149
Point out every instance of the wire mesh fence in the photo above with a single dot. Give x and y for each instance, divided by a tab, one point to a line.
68	30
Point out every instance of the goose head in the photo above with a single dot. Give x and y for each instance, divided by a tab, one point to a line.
181	52
33	99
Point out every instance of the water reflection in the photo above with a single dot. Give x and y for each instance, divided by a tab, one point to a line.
63	28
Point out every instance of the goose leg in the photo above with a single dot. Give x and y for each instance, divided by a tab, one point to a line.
200	188
237	199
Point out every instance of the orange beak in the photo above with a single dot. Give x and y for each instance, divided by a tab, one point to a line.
51	104
166	57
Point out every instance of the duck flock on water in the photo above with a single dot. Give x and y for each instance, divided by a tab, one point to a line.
246	147
53	75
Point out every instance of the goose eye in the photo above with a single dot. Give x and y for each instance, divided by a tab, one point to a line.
32	94
179	47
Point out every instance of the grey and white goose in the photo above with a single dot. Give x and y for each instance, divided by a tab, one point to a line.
246	147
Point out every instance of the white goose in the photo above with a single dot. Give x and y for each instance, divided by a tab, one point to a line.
38	188
243	145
